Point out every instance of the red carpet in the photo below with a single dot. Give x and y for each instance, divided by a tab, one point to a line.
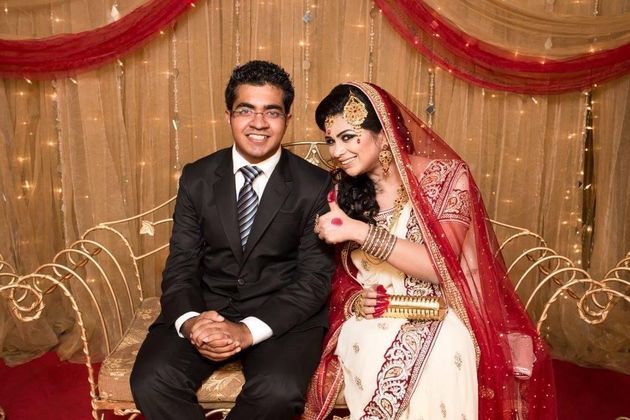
49	389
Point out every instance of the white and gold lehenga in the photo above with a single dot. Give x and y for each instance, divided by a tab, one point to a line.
394	368
461	367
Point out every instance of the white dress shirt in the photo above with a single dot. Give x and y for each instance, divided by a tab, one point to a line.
260	330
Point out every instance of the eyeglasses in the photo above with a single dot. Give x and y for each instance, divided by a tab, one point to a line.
248	113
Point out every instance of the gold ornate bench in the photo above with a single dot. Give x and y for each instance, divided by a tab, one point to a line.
101	275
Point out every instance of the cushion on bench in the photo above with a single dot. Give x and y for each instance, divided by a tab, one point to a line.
113	380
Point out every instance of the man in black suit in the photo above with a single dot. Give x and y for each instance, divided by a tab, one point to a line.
246	276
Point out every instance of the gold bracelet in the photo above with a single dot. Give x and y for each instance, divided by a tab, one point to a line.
348	307
378	243
367	240
378	238
357	307
390	247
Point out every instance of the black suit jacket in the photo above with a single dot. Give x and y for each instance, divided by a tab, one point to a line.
281	277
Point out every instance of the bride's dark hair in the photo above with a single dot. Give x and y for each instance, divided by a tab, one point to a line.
356	195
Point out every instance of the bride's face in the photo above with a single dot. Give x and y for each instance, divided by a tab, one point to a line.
356	152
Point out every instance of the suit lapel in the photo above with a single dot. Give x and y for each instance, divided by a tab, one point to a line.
276	191
225	193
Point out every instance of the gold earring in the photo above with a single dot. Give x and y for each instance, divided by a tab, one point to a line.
385	158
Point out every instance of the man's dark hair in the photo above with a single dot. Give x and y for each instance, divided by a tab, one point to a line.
260	73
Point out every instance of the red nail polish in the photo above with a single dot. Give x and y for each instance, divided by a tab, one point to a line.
378	314
336	221
381	304
332	195
381	291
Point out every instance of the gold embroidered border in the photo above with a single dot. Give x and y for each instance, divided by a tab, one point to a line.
415	286
388	402
459	211
448	171
329	402
445	171
442	169
345	254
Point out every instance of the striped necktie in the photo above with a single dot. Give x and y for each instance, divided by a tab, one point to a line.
247	202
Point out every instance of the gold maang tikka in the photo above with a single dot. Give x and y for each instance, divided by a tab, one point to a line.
355	112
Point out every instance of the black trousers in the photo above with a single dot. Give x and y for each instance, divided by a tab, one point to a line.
169	370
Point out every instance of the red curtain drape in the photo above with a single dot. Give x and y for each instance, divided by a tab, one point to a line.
491	67
62	55
466	57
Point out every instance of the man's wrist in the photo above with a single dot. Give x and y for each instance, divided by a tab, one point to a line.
187	326
179	322
246	334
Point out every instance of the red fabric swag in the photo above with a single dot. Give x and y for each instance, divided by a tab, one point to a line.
62	55
491	67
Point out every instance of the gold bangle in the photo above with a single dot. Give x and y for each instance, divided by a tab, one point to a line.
369	239
377	240
390	247
383	238
366	241
379	243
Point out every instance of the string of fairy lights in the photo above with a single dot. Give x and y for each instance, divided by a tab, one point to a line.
430	109
306	46
237	32
374	12
174	86
588	171
58	136
585	220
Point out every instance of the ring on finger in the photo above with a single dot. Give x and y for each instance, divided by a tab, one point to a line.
358	307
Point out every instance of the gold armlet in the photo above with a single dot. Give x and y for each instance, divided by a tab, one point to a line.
416	308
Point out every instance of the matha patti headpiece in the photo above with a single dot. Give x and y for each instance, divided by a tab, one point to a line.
355	112
328	123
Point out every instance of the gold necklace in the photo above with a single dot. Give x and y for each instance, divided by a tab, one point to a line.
399	202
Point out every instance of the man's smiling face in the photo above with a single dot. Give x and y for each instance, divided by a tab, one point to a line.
256	136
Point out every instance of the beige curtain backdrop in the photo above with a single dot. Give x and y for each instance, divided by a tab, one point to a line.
109	143
553	29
